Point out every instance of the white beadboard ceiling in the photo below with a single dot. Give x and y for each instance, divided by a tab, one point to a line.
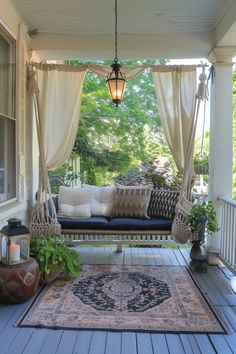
93	18
134	16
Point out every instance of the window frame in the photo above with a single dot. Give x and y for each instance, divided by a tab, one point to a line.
6	35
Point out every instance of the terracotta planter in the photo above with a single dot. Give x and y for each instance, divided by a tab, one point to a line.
18	283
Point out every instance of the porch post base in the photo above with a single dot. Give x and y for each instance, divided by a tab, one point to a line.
213	258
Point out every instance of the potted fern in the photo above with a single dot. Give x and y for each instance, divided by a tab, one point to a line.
53	257
202	219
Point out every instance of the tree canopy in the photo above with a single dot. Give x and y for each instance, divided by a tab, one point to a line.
112	140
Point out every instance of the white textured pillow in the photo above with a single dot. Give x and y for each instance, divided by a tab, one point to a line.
103	201
79	211
75	202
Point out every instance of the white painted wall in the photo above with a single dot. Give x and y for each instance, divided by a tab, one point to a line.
12	22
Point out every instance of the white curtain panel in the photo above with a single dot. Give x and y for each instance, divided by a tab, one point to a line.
176	90
59	107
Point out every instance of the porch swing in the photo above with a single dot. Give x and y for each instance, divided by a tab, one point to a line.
44	218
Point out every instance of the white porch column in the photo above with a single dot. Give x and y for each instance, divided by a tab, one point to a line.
220	159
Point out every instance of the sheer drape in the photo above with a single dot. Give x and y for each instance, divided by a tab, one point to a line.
56	98
179	107
175	90
59	106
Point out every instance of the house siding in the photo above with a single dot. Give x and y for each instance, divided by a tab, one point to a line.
13	24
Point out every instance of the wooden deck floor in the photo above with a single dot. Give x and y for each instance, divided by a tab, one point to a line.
215	283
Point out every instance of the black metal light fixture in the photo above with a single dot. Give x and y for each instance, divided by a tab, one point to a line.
116	80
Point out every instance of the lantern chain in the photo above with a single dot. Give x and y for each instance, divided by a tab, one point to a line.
116	45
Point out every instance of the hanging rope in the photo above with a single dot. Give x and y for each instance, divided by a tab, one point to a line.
180	227
43	217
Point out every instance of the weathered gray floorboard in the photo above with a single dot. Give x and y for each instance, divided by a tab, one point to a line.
129	343
67	342
127	256
179	257
119	260
174	344
157	256
10	331
164	256
230	315
220	282
98	342
231	299
51	342
83	342
190	344
159	344
149	256
36	341
144	343
20	341
113	343
220	344
231	341
215	283
204	344
171	258
135	259
6	314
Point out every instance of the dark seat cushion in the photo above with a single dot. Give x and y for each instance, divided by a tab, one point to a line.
139	224
95	222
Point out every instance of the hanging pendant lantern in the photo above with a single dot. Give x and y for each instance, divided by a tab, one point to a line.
116	80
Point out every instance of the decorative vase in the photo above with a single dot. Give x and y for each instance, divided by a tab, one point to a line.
18	283
198	252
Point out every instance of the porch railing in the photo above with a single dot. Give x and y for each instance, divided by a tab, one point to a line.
228	232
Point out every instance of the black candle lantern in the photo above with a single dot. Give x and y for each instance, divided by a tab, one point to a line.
14	243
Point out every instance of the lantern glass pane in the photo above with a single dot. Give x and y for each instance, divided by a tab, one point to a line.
117	88
3	249
18	249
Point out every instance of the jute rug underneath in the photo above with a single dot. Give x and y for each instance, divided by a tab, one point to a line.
125	298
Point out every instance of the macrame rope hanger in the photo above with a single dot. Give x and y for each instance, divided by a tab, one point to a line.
203	94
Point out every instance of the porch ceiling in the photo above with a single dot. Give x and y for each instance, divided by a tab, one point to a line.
71	29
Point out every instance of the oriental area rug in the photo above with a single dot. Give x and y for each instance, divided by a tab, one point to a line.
125	298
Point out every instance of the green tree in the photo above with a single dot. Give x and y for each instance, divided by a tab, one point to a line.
113	140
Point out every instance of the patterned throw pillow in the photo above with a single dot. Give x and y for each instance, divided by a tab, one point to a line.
132	201
163	203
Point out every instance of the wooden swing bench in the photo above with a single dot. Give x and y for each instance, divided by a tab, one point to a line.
97	230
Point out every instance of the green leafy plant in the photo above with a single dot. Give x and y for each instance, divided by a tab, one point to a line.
52	254
201	159
206	209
